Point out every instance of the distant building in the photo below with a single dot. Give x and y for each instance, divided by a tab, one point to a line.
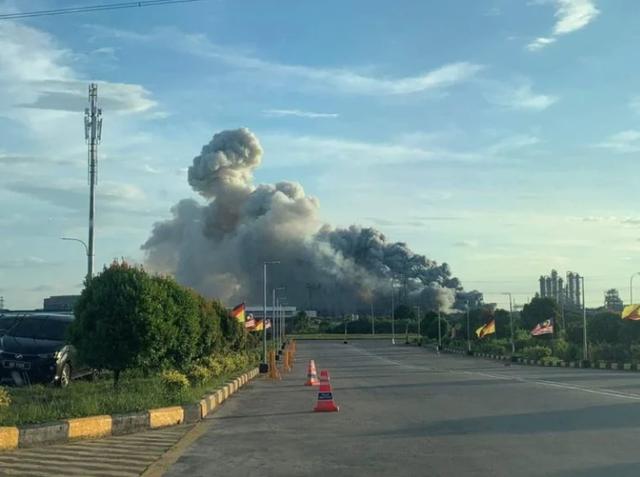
612	300
60	303
565	293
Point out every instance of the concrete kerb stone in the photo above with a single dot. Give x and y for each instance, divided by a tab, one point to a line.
101	426
626	366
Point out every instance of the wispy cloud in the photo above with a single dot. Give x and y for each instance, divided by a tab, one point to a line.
540	43
514	142
279	113
341	80
622	142
523	98
571	15
466	244
35	72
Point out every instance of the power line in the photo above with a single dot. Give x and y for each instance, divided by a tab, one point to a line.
92	8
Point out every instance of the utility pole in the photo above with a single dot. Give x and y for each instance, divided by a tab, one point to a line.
468	331
1	303
513	345
93	135
393	316
264	314
439	332
373	326
584	323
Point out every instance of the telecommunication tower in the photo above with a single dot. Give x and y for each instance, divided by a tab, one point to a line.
92	134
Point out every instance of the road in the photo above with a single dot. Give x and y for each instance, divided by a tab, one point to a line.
407	411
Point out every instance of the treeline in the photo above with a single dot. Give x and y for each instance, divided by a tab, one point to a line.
129	319
609	337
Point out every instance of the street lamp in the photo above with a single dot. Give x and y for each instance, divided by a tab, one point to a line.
513	346
419	319
393	314
468	331
631	288
86	250
264	367
584	323
274	318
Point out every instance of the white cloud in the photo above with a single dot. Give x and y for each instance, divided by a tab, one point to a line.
622	142
343	80
279	113
36	72
510	143
571	15
523	98
540	43
466	244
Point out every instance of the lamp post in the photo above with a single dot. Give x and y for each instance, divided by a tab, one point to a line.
419	319
274	318
513	345
630	288
393	315
584	323
264	314
439	332
468	331
86	250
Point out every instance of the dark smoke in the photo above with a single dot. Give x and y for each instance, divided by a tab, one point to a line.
219	248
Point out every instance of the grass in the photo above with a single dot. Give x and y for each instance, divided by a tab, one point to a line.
39	403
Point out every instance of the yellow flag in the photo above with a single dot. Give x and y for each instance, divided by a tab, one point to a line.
631	312
488	329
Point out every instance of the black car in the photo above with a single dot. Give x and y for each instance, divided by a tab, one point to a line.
33	349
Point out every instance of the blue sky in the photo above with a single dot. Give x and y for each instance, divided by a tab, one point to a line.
499	136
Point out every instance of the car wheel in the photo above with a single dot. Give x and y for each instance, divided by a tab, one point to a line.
65	376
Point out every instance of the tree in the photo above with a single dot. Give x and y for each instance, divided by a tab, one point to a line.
539	310
404	312
119	321
301	323
604	326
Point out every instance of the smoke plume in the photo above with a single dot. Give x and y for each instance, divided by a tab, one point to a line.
219	248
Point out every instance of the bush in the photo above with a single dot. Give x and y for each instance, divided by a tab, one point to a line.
536	352
120	321
198	374
174	381
610	352
497	347
5	398
635	352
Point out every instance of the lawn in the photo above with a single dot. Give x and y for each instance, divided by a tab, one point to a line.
39	403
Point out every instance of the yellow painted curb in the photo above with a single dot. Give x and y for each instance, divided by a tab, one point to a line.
85	427
166	416
9	437
220	396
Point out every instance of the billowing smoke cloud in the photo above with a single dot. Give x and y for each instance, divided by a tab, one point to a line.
219	248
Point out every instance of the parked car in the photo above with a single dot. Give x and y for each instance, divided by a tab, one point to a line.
33	349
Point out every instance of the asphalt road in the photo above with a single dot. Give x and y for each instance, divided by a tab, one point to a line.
407	411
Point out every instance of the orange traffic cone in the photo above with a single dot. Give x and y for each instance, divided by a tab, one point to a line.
325	396
312	375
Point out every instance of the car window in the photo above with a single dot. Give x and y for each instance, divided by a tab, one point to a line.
40	328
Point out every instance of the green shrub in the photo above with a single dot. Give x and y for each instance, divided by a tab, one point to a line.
198	374
610	352
5	398
536	352
634	352
174	381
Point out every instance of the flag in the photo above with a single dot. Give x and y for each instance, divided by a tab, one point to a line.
238	312
250	322
260	325
487	329
631	312
544	328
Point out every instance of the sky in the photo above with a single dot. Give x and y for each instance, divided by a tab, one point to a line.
499	136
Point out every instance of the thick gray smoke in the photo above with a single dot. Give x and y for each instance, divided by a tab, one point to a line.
219	248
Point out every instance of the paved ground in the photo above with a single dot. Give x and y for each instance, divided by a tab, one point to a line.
406	411
124	456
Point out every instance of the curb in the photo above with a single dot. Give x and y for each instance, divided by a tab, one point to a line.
614	366
102	426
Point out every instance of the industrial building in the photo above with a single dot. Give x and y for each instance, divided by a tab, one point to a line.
566	292
60	303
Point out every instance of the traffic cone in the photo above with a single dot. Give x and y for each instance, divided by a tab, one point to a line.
312	375
325	396
273	369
